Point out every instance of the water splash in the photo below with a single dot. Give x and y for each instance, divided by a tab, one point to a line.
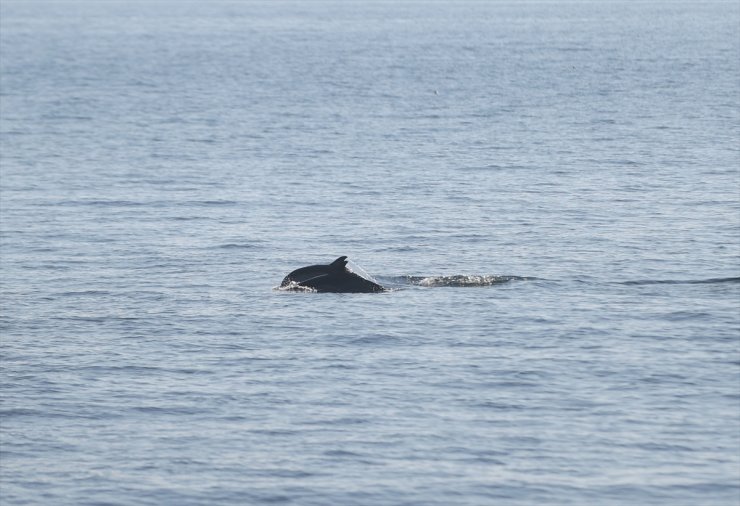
353	267
459	280
293	286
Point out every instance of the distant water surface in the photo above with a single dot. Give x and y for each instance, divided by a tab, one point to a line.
550	188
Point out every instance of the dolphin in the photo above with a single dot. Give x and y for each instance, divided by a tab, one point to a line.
334	277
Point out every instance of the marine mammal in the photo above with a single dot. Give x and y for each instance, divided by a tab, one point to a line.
334	277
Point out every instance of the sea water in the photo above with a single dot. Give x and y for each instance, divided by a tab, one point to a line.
550	190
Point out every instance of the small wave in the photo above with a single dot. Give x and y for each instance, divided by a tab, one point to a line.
83	293
236	246
709	281
341	454
209	203
7	413
94	203
169	410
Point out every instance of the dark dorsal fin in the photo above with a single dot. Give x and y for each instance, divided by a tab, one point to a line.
339	264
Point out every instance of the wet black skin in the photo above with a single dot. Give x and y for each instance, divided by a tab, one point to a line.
331	278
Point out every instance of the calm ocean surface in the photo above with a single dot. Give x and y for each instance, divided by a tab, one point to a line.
164	165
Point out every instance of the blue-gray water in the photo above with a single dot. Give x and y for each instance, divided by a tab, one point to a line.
164	165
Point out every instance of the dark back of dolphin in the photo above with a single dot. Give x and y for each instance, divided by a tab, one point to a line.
334	277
